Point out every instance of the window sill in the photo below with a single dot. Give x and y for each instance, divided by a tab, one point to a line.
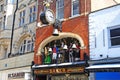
117	46
74	16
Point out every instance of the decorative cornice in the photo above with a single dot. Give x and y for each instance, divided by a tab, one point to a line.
22	6
31	1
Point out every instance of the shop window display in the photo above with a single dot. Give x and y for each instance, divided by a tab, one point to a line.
61	51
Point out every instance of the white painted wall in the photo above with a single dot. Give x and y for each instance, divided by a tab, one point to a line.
99	22
100	4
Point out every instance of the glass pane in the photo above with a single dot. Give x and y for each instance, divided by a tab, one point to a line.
24	13
34	8
60	9
34	16
115	41
76	7
115	32
30	10
28	47
60	13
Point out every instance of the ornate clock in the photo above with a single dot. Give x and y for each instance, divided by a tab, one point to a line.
47	17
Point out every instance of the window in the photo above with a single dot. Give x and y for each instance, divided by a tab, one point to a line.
1	7
22	18
4	19
26	46
32	14
60	9
10	1
114	36
75	7
0	24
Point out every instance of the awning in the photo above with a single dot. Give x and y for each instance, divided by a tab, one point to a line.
104	68
81	63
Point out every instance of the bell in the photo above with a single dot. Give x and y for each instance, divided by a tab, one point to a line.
50	50
74	46
55	32
65	47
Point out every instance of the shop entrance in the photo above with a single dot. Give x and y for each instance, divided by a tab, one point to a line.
70	77
42	77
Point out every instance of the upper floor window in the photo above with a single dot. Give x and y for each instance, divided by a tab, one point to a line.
75	7
32	16
1	7
0	25
22	18
60	9
114	36
4	19
26	46
10	1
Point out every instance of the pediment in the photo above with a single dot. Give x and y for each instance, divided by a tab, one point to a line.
21	6
31	1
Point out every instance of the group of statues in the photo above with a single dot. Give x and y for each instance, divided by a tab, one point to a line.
64	53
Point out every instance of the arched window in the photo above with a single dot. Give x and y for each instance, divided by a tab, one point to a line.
26	46
61	50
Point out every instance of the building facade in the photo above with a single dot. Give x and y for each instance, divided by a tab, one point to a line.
104	41
62	57
16	65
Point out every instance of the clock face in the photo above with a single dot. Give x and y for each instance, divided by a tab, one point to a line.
50	16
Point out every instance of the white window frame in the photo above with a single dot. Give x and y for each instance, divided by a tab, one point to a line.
27	45
109	38
72	9
57	9
32	16
22	18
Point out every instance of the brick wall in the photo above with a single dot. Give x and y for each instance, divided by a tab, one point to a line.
77	25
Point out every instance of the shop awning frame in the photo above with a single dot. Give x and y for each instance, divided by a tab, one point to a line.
104	65
81	63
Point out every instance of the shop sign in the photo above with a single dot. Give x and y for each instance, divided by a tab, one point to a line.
16	75
60	70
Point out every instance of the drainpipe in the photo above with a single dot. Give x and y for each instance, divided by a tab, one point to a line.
13	28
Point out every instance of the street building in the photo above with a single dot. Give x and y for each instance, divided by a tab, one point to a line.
15	61
58	37
61	48
104	32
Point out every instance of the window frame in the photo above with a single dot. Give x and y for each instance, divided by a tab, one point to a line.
1	7
57	9
24	46
32	14
109	37
22	18
4	22
72	15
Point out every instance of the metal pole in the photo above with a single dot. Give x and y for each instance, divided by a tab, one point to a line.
13	27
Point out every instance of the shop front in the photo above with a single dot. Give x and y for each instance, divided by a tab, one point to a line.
63	71
62	50
105	69
62	57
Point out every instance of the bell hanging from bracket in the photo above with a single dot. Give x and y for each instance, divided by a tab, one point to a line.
55	32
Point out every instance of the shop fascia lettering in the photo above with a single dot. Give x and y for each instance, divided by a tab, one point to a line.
16	75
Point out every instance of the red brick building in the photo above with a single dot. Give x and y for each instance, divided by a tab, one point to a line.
74	17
